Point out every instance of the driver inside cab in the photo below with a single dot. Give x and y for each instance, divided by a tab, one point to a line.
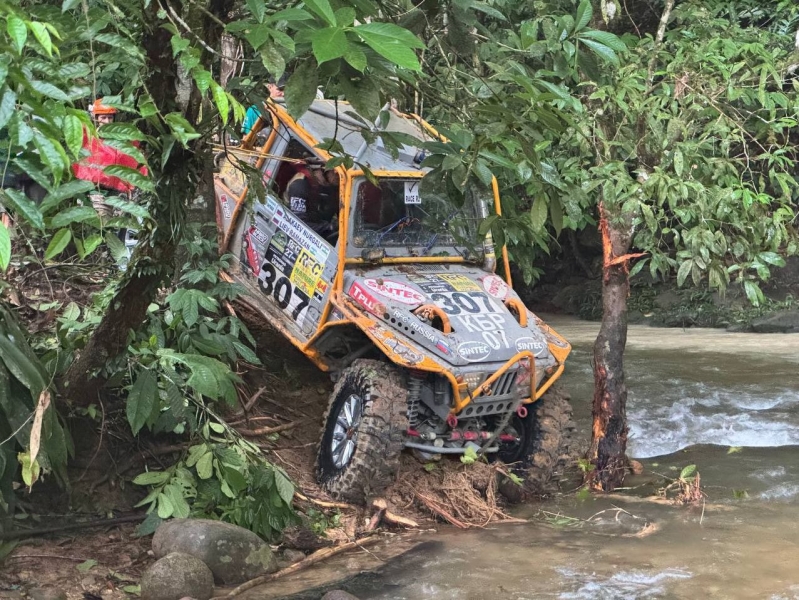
313	195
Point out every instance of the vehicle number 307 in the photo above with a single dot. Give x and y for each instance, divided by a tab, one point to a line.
282	291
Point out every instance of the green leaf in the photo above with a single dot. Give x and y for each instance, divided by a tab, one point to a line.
486	225
51	91
258	9
24	207
149	525
678	162
52	154
284	486
602	51
205	466
684	271
58	244
687	471
488	10
290	14
121	131
128	207
556	215
772	258
584	14
131	176
7	107
68	5
17	32
301	88
5	248
73	214
117	249
538	214
605	38
392	42
141	400
329	43
73	134
322	8
165	506
273	61
42	36
355	57
221	101
71	189
345	17
753	292
152	478
86	565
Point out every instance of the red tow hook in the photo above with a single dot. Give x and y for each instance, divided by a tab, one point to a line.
452	421
507	437
522	411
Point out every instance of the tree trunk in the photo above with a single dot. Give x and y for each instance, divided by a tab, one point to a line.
176	183
609	434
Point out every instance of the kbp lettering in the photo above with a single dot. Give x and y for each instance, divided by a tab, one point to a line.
480	323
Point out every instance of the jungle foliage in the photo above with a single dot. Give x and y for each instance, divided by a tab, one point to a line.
688	140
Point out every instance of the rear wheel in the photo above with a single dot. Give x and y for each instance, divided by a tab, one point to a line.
542	448
362	436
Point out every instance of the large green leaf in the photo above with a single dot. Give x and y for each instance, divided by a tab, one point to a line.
131	176
5	248
538	214
58	244
392	42
74	214
221	101
329	43
73	134
605	38
7	107
21	366
17	31
601	50
258	9
584	14
322	8
141	400
301	88
42	36
23	207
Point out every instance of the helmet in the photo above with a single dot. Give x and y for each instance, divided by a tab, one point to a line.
98	108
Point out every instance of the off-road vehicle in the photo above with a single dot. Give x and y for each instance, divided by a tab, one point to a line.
429	349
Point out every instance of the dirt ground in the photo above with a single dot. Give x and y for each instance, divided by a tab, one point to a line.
287	392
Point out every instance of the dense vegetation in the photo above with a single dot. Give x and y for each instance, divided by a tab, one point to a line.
672	124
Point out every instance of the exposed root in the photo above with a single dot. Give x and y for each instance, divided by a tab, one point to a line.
462	495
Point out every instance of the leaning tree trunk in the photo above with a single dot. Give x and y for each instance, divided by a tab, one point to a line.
175	185
609	434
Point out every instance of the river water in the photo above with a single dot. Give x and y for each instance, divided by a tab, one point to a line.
727	402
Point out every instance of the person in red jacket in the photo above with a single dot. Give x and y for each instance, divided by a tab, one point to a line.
101	155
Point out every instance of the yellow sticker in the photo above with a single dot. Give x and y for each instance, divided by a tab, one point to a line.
306	273
460	283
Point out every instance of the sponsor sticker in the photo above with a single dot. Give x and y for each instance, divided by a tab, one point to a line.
496	287
225	201
412	192
537	347
399	292
473	351
460	283
443	346
365	299
306	273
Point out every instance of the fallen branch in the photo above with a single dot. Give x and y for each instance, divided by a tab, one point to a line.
253	399
323	503
269	430
437	509
314	558
24	533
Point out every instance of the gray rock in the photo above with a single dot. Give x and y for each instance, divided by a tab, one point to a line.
781	322
233	554
339	595
177	576
289	557
46	593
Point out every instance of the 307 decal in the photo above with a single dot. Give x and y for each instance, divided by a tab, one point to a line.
456	303
288	298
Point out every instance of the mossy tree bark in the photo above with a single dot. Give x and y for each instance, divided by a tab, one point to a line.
176	184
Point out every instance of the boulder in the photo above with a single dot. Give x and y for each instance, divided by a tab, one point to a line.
780	322
233	554
177	576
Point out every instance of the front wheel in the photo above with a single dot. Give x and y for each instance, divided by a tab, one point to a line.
362	436
541	450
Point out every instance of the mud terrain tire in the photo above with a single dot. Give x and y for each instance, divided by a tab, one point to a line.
378	437
546	438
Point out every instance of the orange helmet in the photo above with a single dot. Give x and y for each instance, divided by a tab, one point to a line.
98	108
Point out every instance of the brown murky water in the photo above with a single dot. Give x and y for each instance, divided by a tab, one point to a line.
694	394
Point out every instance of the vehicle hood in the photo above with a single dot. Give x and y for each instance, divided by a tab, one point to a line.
484	330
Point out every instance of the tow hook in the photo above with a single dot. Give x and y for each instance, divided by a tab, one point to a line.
522	411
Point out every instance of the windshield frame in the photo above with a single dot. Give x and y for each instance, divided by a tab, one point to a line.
417	252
